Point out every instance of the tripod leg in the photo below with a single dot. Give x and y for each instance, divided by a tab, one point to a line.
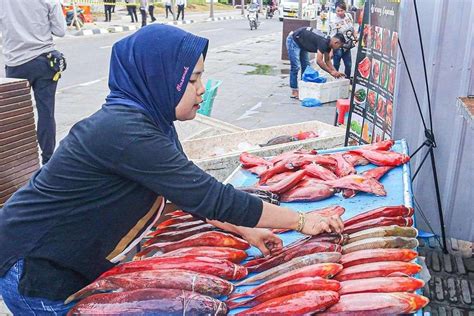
438	199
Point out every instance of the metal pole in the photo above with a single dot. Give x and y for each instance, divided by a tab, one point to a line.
211	14
300	9
242	4
75	19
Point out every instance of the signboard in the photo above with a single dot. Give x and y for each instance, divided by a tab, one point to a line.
371	115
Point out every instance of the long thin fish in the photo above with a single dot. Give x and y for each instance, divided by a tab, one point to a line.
377	255
150	302
384	231
375	304
378	269
381	242
292	265
381	285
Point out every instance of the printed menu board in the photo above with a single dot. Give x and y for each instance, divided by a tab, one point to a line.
371	115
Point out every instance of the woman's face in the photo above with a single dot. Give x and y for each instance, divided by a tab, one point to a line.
189	104
340	12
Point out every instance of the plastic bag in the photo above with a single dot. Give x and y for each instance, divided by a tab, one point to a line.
310	102
311	75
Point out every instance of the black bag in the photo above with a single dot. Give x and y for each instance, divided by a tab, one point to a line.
57	62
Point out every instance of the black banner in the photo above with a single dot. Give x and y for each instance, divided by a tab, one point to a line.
370	117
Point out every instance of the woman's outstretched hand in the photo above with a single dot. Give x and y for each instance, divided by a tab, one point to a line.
266	241
316	224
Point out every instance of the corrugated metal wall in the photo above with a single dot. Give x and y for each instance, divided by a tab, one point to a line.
447	28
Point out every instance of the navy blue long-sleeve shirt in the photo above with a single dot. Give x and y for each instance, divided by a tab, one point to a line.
98	194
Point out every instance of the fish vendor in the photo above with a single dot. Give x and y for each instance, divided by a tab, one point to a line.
108	181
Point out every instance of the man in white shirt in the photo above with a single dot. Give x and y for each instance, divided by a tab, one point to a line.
27	29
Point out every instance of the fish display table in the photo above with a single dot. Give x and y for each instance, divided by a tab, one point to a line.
396	182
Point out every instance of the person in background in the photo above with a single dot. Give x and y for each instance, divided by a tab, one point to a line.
108	10
343	24
29	53
143	8
151	10
180	4
168	7
303	41
113	6
132	10
106	185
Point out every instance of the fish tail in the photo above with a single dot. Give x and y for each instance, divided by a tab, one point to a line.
233	304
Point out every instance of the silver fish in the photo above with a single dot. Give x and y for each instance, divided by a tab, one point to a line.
381	242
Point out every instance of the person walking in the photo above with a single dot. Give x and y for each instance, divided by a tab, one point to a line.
143	8
180	4
151	10
107	184
132	10
108	10
29	53
113	6
303	41
168	8
343	24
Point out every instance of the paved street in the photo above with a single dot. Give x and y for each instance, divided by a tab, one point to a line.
247	98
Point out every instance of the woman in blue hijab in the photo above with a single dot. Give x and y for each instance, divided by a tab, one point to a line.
106	184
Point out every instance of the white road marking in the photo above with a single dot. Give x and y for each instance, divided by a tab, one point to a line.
108	46
84	84
211	30
250	112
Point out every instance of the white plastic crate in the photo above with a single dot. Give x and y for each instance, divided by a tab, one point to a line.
330	91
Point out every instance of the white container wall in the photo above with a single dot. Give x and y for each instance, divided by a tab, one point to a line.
448	37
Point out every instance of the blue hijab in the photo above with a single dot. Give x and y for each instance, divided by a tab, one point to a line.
150	70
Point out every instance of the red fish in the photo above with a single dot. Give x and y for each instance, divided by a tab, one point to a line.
213	238
258	170
306	135
383	158
319	172
383	145
301	303
176	220
359	183
227	253
277	168
287	288
308	247
376	173
382	284
285	184
279	177
343	168
287	154
303	160
175	227
249	160
308	191
384	211
205	284
150	301
179	235
378	269
221	268
377	255
375	304
377	222
177	213
322	270
355	159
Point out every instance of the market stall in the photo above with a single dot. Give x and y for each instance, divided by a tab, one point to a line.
188	266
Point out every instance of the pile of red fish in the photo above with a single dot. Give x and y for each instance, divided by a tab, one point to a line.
187	267
305	175
372	277
191	268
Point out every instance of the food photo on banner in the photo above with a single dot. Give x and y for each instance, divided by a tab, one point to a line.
371	116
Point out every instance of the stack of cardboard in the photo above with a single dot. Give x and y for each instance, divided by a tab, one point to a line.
18	144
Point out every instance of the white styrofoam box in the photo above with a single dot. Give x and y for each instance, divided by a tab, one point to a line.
219	155
330	91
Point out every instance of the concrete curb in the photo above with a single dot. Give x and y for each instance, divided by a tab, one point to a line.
127	28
